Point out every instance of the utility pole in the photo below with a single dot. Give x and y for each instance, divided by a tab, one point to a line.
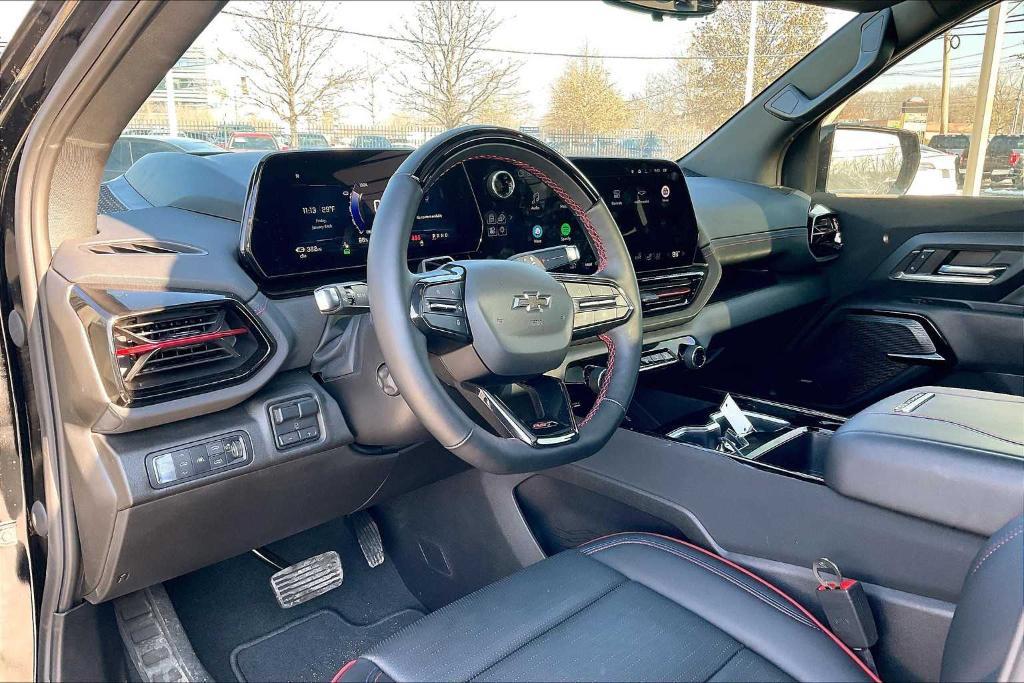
986	97
946	49
172	112
1018	121
748	90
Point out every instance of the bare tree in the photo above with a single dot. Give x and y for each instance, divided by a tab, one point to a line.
449	80
289	62
371	81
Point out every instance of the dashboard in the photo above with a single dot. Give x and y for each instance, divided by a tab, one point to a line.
309	215
225	250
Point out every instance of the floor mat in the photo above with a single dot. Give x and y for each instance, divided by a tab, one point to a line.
312	648
228	605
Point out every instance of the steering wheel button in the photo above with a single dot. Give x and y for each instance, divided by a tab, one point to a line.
584	319
447	323
448	290
577	290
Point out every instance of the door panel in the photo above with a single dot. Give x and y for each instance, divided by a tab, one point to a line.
927	290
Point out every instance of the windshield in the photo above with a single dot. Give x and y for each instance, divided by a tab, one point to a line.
586	78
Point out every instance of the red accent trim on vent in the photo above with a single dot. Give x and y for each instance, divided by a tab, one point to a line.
182	341
666	293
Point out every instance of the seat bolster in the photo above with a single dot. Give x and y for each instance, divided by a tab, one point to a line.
990	608
749	609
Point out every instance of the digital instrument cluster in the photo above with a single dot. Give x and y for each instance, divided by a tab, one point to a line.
310	214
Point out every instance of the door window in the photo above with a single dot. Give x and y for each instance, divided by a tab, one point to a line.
947	93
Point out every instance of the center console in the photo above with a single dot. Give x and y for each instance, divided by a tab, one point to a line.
946	455
952	456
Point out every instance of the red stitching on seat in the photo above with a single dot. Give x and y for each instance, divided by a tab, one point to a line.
342	671
746	572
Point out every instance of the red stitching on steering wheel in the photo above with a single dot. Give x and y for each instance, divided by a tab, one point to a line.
577	210
605	379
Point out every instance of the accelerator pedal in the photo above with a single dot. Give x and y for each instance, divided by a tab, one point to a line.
308	579
369	538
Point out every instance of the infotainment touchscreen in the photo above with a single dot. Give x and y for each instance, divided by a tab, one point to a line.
314	212
652	206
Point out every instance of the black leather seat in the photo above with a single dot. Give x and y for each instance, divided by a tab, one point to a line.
641	607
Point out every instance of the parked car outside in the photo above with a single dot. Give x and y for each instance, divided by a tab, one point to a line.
313	141
1003	160
249	142
370	142
130	148
650	145
937	173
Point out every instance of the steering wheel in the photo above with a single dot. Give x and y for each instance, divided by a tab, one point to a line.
491	329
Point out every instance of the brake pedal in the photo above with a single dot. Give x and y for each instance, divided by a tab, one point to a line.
308	579
369	538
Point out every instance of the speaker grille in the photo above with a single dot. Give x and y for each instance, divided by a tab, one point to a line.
851	357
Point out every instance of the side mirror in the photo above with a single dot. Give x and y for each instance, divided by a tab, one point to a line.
867	160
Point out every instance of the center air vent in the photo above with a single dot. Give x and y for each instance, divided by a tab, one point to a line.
669	291
185	349
824	237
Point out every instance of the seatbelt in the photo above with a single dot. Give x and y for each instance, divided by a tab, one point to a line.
847	610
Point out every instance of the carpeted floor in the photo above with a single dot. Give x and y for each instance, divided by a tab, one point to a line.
240	633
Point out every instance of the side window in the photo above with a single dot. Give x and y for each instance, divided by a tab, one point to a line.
913	130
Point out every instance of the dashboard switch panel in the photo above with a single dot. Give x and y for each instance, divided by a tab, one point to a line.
295	421
193	461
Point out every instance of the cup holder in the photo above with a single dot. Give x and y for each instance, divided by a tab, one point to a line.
713	434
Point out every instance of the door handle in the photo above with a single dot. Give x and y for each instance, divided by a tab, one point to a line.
978	271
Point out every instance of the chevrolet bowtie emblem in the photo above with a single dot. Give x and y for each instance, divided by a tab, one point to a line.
531	301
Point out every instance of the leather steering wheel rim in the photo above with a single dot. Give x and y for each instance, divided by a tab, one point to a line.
404	347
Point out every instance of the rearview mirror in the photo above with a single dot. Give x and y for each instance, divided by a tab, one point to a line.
867	160
677	9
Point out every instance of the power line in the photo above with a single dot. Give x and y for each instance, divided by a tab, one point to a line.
510	51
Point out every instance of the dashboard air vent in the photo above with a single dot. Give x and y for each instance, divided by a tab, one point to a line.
185	349
824	237
663	292
141	247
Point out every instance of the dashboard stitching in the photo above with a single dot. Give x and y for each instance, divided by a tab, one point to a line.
602	254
